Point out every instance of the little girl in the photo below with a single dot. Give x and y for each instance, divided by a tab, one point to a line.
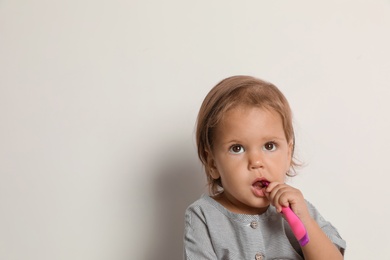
245	139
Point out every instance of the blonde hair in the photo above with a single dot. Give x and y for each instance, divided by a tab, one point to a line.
232	92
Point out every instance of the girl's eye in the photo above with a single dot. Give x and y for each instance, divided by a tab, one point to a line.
270	146
236	149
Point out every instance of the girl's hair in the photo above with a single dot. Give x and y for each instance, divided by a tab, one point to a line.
228	94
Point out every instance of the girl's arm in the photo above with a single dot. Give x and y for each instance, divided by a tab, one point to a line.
319	246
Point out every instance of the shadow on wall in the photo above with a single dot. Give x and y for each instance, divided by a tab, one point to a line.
181	182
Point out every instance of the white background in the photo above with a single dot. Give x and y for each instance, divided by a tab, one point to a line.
98	102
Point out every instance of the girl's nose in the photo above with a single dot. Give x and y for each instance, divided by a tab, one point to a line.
256	164
255	161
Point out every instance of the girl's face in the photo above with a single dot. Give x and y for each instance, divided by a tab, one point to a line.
249	146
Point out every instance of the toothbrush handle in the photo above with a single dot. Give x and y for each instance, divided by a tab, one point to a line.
296	225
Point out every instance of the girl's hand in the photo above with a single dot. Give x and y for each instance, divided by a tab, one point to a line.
320	246
282	195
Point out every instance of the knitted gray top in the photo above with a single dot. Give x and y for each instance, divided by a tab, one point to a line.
213	232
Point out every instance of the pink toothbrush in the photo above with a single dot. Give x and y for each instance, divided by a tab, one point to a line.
295	223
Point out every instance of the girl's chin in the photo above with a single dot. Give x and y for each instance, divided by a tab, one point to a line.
255	206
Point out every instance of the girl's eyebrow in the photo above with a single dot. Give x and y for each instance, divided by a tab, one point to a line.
264	139
233	141
277	138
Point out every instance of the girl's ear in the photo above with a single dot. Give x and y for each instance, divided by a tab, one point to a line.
211	166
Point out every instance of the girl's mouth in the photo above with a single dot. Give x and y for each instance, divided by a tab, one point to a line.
265	183
260	184
257	187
